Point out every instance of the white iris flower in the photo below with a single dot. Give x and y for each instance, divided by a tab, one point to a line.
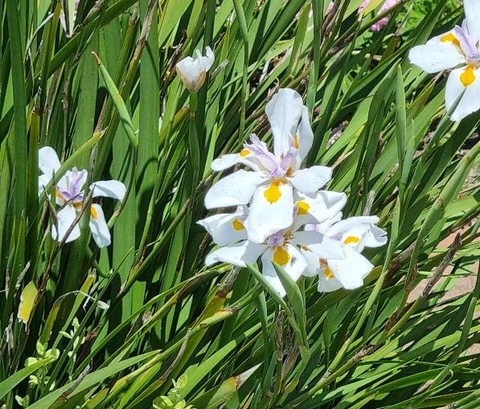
352	235
69	193
457	50
284	247
193	72
270	183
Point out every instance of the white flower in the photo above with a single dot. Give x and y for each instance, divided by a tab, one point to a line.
69	193
283	247
273	177
192	72
457	50
353	235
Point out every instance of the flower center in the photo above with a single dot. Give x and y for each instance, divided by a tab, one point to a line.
277	239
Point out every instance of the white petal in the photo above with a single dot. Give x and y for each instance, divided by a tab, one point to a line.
225	162
324	226
472	15
271	210
319	207
209	58
98	226
327	284
48	161
305	135
297	263
434	56
284	111
226	228
355	237
109	188
237	254
294	267
351	270
338	229
470	101
233	190
376	237
358	232
311	270
324	247
312	179
65	219
42	182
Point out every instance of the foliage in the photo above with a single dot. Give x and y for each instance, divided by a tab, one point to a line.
126	115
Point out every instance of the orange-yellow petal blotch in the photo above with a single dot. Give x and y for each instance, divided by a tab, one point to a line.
467	77
351	239
237	225
296	144
450	38
303	208
244	152
93	213
326	271
281	256
272	194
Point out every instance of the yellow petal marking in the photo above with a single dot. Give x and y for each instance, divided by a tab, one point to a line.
93	213
303	208
328	274
351	239
467	77
60	197
450	38
296	144
244	152
326	271
281	256
27	301
237	225
272	194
